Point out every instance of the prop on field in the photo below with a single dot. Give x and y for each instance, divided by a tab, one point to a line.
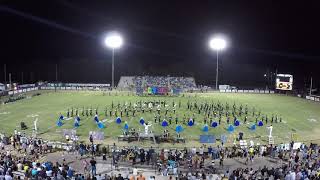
141	121
205	128
179	128
237	123
230	129
61	117
118	120
101	125
214	124
126	126
96	135
59	123
164	123
77	122
260	123
253	127
190	122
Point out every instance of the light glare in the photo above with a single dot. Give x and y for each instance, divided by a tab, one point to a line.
217	43
113	40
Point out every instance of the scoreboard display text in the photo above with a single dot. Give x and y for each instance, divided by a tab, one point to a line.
284	82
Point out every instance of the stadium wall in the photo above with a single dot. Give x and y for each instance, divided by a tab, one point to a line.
313	98
248	91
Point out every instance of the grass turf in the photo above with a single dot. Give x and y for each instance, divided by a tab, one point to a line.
298	115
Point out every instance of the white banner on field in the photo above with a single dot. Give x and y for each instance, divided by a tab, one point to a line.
246	91
313	98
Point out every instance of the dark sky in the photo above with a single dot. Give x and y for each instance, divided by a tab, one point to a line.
161	37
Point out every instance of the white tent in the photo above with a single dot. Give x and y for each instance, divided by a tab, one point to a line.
2	87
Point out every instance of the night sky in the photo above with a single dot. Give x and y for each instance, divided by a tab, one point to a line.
161	38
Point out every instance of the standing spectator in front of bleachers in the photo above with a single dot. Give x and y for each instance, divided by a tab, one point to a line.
93	167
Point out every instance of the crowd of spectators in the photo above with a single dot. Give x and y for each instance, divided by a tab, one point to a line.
20	158
23	155
208	162
164	81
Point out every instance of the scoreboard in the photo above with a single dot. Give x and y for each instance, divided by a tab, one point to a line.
284	82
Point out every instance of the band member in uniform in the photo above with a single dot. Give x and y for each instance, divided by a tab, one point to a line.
155	119
266	119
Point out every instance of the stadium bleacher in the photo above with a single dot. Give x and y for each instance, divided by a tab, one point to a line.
186	83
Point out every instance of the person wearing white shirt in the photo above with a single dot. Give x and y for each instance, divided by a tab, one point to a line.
1	175
20	166
135	171
7	176
201	149
49	173
194	151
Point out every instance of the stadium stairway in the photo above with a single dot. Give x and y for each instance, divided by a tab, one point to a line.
125	82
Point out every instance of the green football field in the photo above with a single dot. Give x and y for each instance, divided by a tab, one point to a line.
299	116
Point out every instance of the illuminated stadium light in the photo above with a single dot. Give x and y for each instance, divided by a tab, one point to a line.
217	43
113	40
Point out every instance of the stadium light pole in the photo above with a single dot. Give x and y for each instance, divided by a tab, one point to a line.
114	41
217	44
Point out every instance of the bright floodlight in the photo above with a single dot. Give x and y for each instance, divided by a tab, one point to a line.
113	40
217	43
